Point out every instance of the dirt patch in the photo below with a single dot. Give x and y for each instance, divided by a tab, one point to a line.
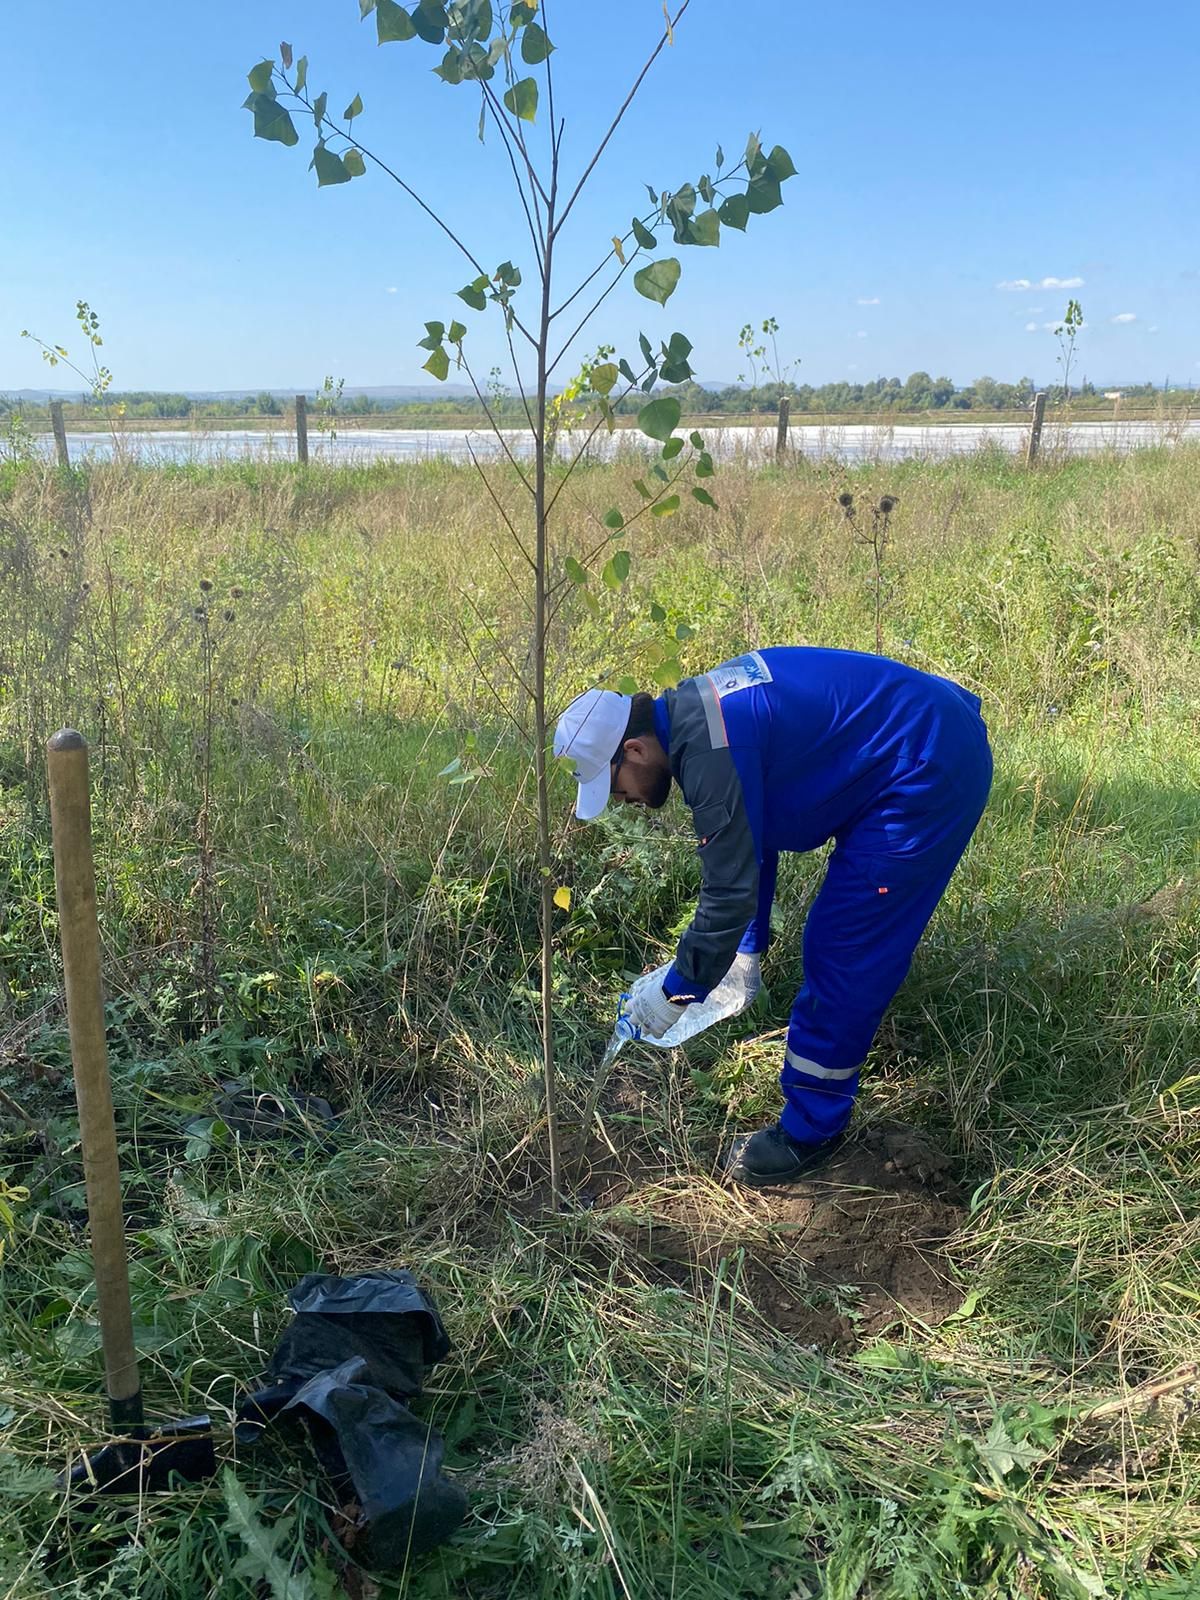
830	1261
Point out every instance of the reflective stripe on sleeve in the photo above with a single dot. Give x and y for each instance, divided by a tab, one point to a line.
713	715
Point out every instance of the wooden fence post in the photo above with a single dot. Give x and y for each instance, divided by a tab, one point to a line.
302	430
1035	428
60	433
781	430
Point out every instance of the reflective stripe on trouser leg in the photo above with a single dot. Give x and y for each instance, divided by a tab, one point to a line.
817	1100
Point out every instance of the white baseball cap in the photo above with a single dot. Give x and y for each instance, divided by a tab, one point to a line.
590	732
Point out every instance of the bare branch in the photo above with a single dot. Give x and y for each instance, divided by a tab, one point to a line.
495	427
370	155
587	317
516	537
616	122
536	234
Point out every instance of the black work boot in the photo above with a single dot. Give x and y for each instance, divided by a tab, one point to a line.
772	1156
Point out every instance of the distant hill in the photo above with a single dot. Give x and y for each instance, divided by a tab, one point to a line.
427	391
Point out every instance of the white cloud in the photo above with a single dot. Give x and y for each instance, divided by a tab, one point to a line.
868	300
1125	316
861	334
1031	327
1020	285
1153	328
391	291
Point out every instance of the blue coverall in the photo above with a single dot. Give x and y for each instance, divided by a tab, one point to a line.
784	749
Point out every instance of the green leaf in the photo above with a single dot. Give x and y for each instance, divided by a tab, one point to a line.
753	146
590	601
667	674
657	614
392	22
435	332
671	449
735	212
535	46
643	235
354	163
666	508
627	371
967	1309
457	332
574	571
450	70
779	164
475	293
660	472
604	377
476	66
438	364
301	74
477	19
1005	1454
266	1559
451	767
624	686
614	520
271	121
705	229
509	274
522	13
522	99
707	192
318	109
429	19
704	467
763	195
365	8
329	168
640	485
704	498
697	441
720	161
660	418
616	570
259	77
658	280
354	109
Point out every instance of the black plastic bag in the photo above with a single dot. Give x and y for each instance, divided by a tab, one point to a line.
356	1348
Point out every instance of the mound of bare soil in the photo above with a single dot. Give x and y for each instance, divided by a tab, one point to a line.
830	1261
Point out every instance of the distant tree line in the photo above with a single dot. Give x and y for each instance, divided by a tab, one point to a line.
916	394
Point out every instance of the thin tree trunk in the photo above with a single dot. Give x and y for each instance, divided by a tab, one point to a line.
539	705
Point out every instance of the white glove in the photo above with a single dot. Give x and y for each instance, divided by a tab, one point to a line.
649	1009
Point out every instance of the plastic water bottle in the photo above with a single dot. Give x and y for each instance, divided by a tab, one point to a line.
734	993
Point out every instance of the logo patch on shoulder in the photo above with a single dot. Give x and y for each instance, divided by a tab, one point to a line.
743	672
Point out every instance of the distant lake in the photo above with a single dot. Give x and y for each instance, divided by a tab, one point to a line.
852	443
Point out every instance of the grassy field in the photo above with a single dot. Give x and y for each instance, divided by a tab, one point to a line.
975	1385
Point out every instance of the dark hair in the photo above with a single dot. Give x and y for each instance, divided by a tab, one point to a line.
641	718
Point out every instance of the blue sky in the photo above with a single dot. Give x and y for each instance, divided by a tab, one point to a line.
944	149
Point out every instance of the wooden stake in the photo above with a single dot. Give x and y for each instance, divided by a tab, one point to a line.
1035	428
60	433
302	430
75	880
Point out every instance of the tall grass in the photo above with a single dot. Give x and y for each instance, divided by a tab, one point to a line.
294	890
